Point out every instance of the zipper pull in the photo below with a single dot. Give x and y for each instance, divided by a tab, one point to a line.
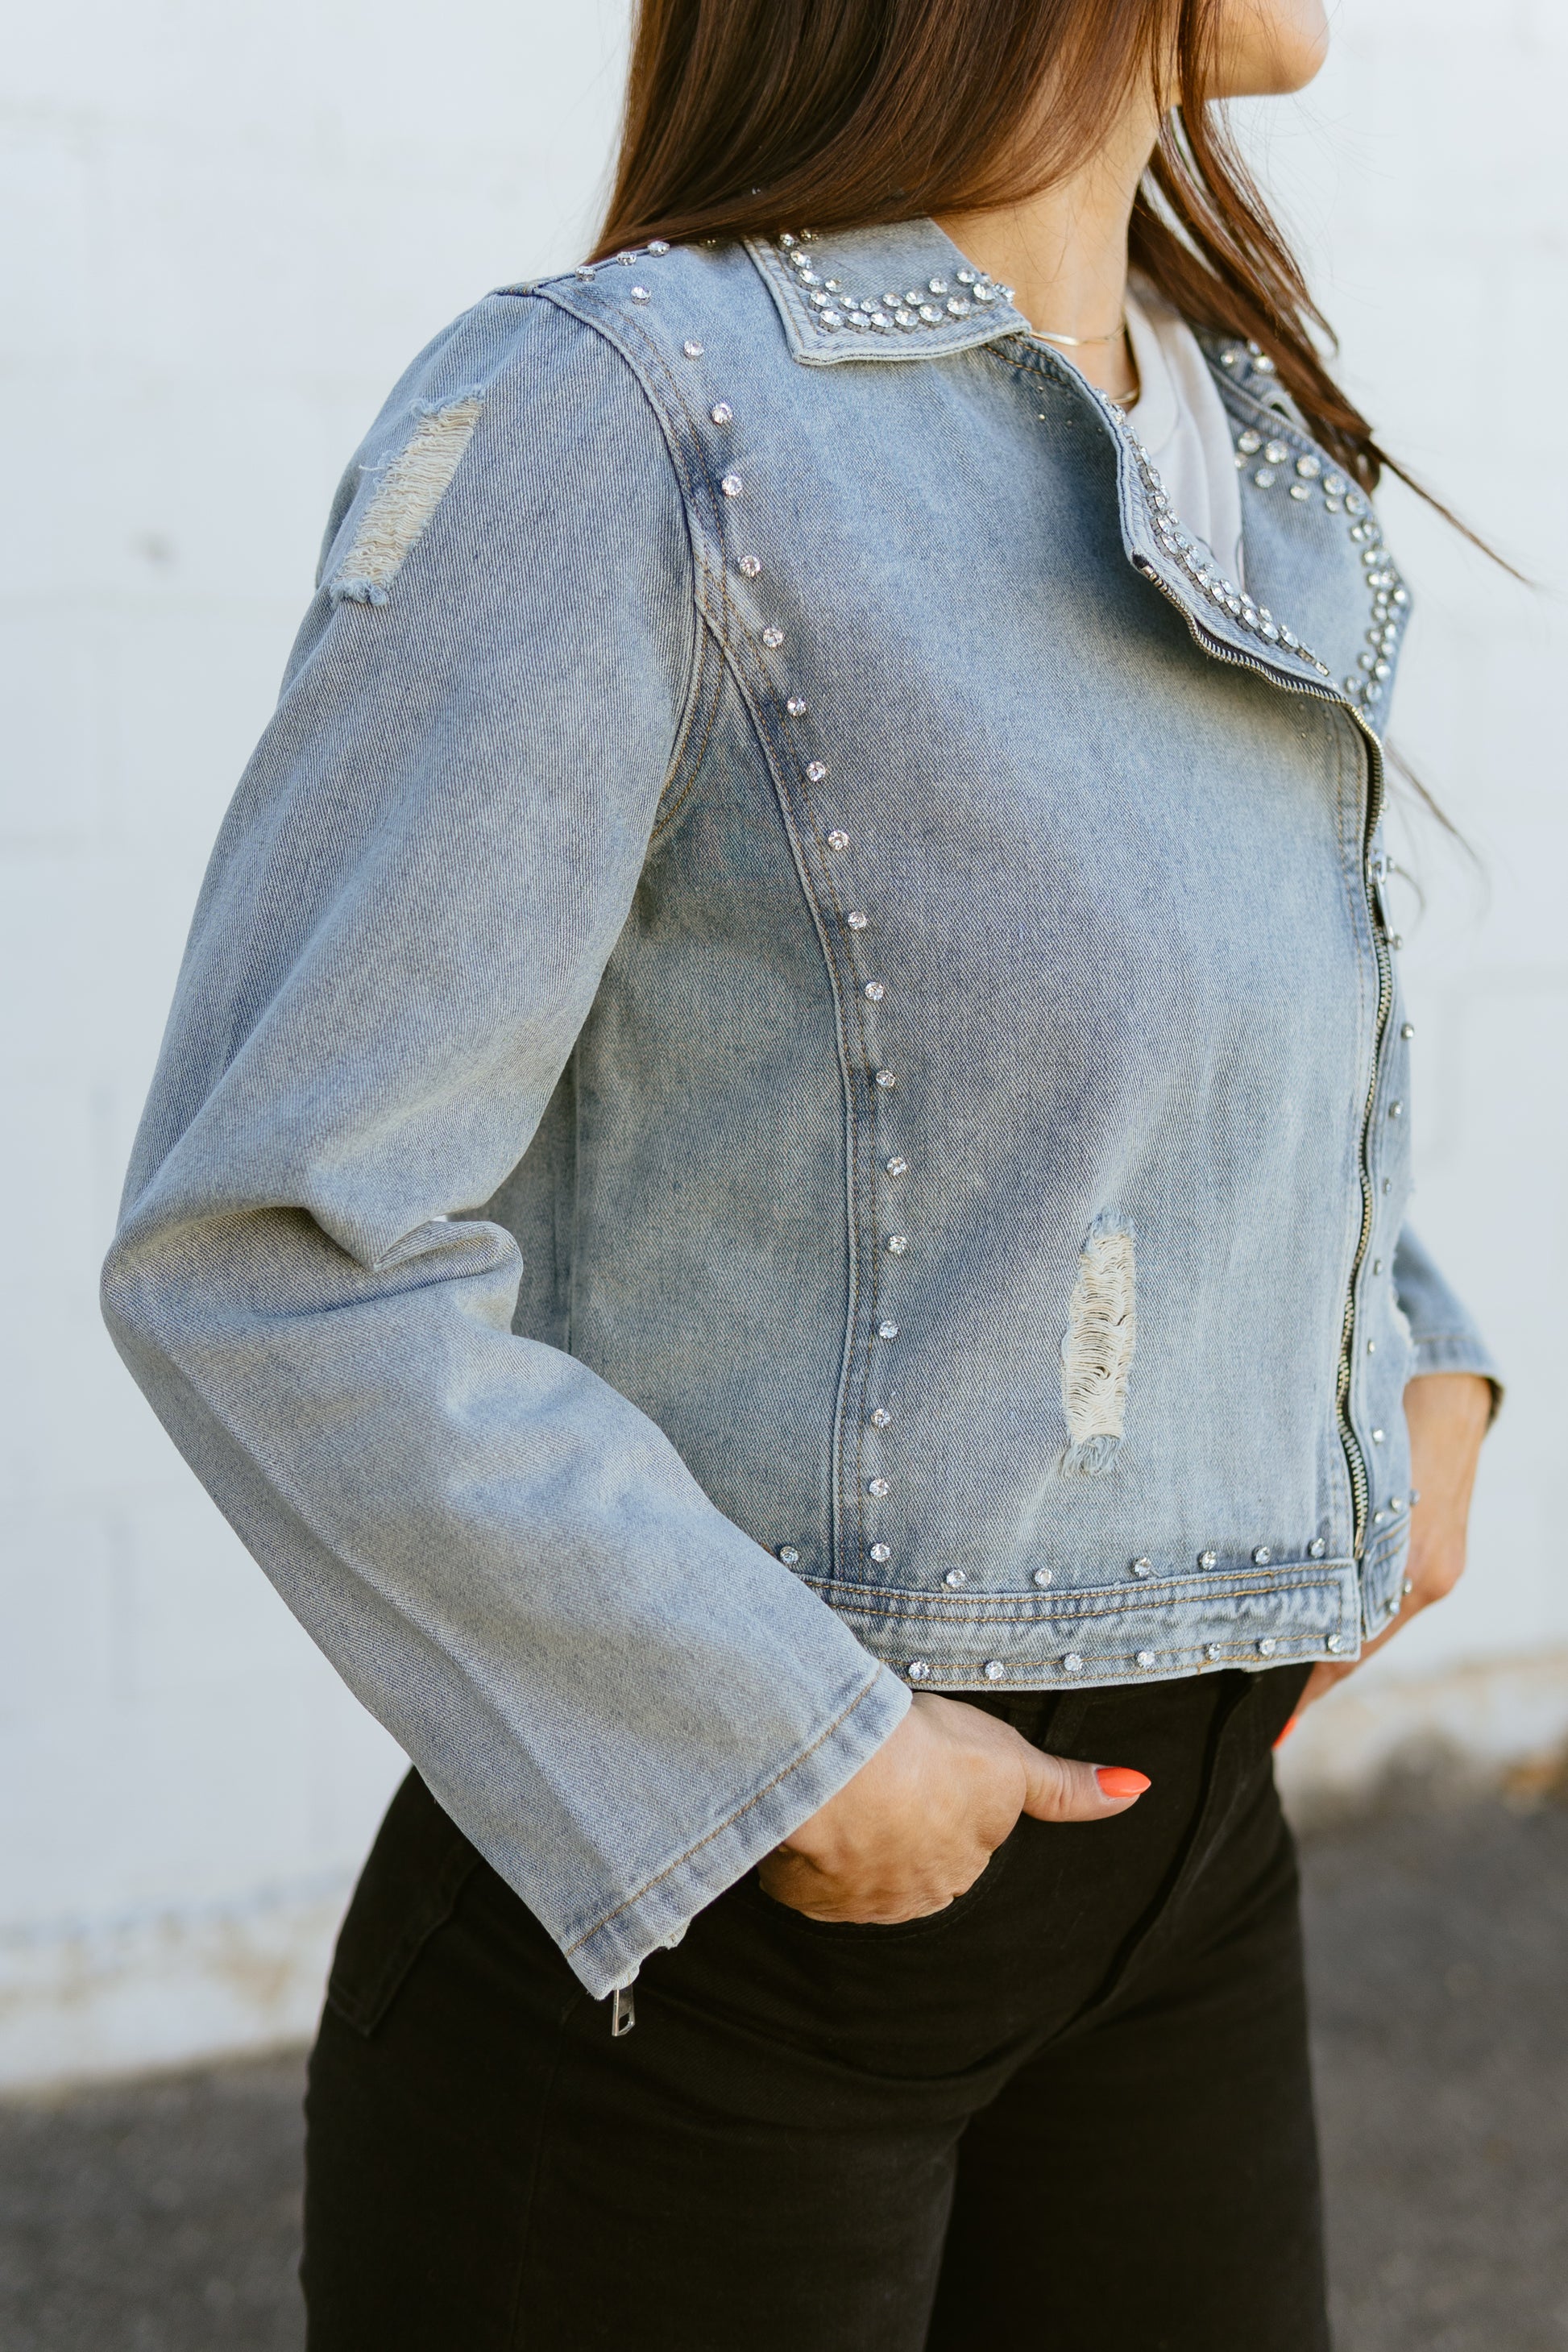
622	2011
1378	868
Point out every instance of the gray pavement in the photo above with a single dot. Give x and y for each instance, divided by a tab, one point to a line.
164	2216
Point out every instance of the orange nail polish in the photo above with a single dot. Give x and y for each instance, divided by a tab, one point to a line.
1120	1781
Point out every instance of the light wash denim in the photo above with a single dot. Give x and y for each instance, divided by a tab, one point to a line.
789	1082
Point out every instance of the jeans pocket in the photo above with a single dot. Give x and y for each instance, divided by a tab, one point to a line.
409	1887
934	1923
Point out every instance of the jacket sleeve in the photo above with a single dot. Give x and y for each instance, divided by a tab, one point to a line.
1444	1334
622	1698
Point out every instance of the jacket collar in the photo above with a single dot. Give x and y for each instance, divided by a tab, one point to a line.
904	291
900	291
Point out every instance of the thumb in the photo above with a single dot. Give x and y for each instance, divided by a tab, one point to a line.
1061	1789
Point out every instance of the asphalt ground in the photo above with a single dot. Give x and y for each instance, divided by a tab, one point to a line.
162	2216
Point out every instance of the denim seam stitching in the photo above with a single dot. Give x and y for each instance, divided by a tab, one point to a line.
671	807
1021	1609
644	367
829	939
740	1812
536	2166
855	1371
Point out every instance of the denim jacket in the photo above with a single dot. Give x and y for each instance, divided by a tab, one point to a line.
789	1083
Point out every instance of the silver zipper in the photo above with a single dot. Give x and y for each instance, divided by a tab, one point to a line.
1356	1460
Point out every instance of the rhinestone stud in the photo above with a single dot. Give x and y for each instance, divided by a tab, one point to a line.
1261	1556
887	1331
1208	1559
855	919
721	413
795	707
881	1417
732	486
1073	1663
751	565
1317	1547
773	637
955	1577
1145	1657
1143	1568
817	772
887	1079
918	1671
1335	1642
898	1165
881	1552
1042	1577
994	1670
788	1554
874	988
641	294
897	1244
1267	1647
692	349
877	1487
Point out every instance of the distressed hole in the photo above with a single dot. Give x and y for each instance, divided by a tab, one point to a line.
406	498
1096	1349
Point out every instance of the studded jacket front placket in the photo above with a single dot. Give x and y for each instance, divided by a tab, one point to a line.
790	1083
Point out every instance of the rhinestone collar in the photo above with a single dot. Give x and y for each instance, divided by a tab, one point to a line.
1276	454
902	291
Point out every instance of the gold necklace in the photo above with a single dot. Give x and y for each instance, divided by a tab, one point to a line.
1080	343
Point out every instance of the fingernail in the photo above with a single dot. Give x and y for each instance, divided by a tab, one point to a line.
1289	1727
1120	1781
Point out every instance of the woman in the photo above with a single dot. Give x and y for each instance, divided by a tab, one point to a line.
775	1201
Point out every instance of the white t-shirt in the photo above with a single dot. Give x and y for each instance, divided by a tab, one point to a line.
1180	419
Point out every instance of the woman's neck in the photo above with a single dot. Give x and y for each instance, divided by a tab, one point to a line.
1064	251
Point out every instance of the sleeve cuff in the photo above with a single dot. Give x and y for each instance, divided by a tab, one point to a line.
611	1952
1458	1351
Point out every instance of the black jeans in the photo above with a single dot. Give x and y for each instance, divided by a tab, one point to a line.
1071	2113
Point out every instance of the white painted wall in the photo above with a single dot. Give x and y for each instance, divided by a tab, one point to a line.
228	231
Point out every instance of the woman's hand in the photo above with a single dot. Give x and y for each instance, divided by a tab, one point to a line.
1447	1413
923	1816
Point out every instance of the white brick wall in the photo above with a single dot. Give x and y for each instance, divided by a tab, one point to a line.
230	229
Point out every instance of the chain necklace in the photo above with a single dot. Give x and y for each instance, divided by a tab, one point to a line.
1081	342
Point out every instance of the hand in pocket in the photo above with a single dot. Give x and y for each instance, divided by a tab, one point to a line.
919	1820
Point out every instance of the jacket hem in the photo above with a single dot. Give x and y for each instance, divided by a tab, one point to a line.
1155	1632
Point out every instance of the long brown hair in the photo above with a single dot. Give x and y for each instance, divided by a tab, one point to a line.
749	117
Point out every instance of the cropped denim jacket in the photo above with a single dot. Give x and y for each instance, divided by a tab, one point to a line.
789	1083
